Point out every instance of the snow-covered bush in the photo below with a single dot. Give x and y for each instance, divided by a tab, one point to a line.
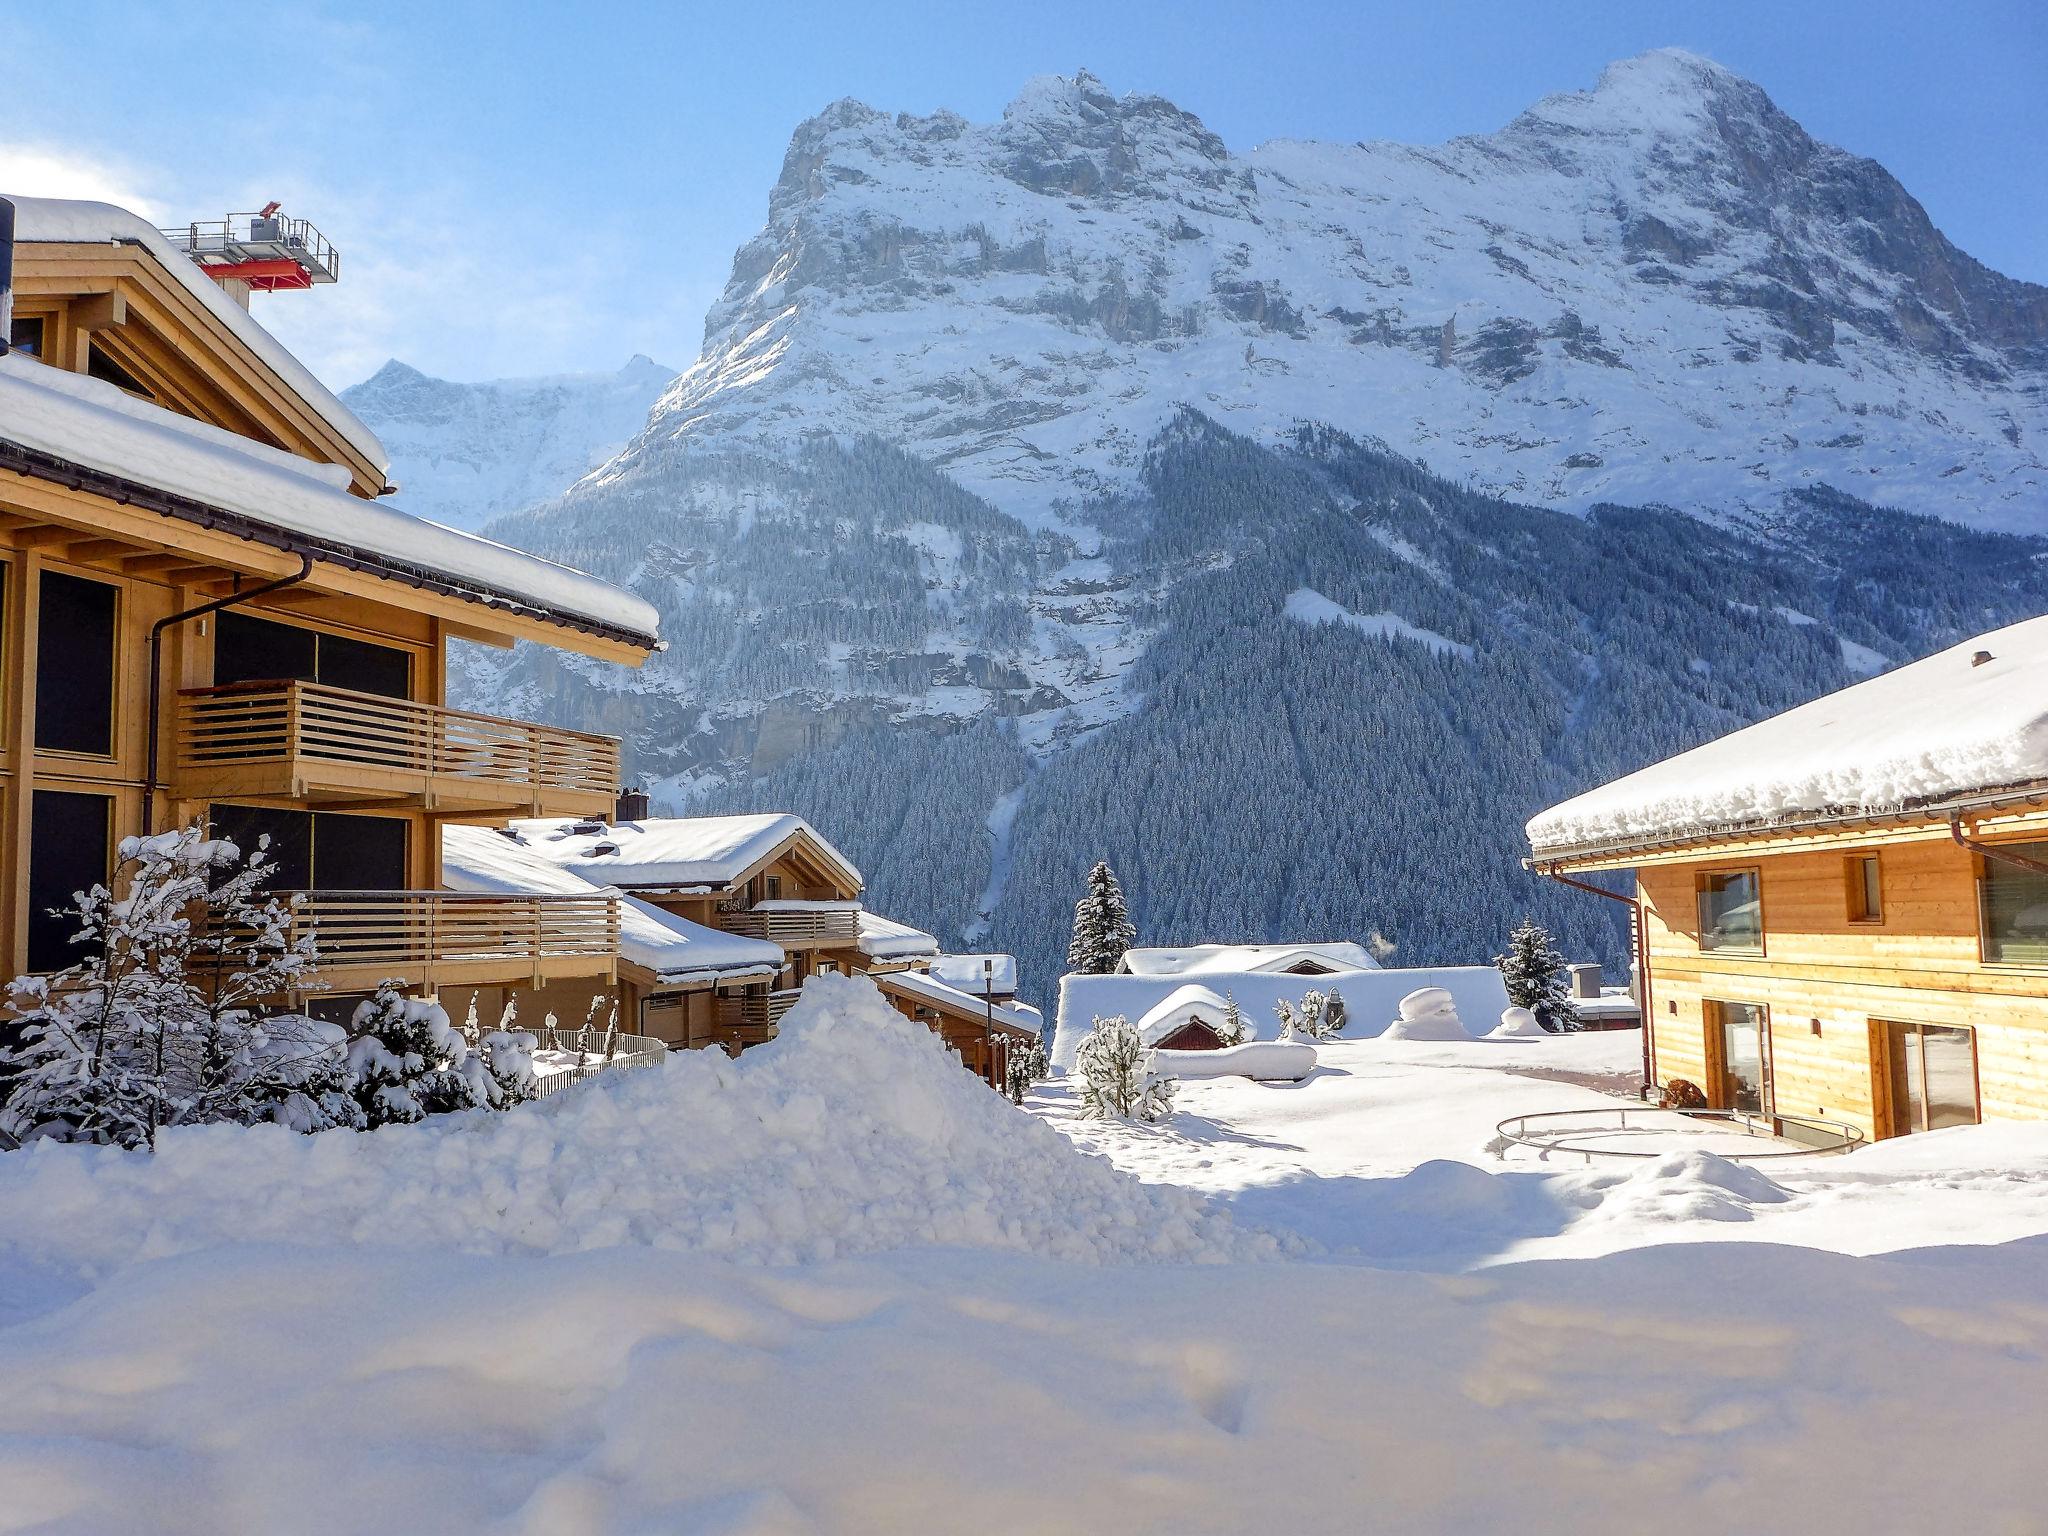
1536	977
1318	1016
406	1062
508	1057
1024	1065
1102	925
156	1022
1119	1076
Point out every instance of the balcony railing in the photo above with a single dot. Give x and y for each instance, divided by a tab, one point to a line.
434	938
750	1019
792	926
301	740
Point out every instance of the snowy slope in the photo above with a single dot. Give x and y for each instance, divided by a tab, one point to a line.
465	453
1661	290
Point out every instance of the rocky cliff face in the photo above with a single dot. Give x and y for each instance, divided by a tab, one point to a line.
1073	486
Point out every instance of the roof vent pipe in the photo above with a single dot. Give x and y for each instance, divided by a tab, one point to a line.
1980	658
6	274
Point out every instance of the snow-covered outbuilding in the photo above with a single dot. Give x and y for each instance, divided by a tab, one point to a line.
1189	1018
1372	998
1320	959
207	597
1842	911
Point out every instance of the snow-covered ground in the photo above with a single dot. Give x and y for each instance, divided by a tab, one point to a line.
839	1286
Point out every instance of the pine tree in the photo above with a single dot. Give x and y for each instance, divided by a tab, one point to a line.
407	1062
1536	977
1118	1076
1024	1065
155	1023
1233	1030
1102	925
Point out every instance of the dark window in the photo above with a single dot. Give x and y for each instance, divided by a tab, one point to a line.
75	665
69	836
249	649
1731	911
367	668
26	335
2014	903
104	368
291	840
358	853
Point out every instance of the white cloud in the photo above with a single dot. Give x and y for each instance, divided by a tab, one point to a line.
40	170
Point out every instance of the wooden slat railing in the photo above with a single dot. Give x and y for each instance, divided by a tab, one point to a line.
832	925
271	722
421	935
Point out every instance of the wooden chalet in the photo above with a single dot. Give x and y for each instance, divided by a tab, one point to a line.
1842	913
207	612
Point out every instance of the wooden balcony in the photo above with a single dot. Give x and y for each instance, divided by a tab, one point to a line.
796	926
329	746
751	1019
439	938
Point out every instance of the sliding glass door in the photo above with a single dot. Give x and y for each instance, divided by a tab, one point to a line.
1740	1068
1931	1072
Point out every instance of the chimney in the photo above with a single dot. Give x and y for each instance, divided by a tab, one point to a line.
6	274
1980	658
632	805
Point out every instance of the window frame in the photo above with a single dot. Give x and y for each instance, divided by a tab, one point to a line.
116	677
1862	914
1882	1060
1986	871
1699	888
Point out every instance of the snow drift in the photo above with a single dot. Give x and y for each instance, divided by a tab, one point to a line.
854	1132
1263	1061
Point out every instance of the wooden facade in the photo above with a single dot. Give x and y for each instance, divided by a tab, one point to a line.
316	712
1891	974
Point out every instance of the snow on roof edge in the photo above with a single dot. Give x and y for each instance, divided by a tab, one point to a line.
54	220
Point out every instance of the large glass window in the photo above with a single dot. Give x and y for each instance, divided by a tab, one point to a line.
75	665
1735	1040
2013	905
1731	910
320	850
248	649
70	837
1931	1071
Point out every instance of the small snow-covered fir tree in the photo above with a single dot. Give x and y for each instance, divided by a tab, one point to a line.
407	1062
1308	1014
1025	1065
156	1022
1119	1080
1232	1030
1536	977
1102	925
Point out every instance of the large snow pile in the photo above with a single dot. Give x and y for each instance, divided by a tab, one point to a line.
1518	1024
1263	1061
1427	1013
1949	724
855	1131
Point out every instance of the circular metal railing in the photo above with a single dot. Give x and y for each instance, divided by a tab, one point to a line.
1561	1129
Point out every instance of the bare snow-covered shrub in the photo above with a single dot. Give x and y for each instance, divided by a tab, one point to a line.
1119	1076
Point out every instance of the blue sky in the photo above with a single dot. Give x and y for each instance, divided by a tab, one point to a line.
530	188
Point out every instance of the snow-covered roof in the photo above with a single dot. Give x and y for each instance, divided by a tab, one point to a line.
86	422
1181	1006
883	938
1943	728
967	972
62	220
1207	959
674	948
673	852
919	985
1372	998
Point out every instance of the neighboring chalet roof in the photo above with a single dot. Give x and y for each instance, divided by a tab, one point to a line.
63	422
1182	1006
1207	959
966	973
59	220
883	938
672	948
961	1005
1947	729
678	853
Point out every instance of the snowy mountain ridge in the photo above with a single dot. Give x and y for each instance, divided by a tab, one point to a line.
465	453
1658	291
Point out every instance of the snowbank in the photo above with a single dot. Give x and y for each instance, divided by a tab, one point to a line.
1263	1061
1518	1024
1947	725
854	1131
